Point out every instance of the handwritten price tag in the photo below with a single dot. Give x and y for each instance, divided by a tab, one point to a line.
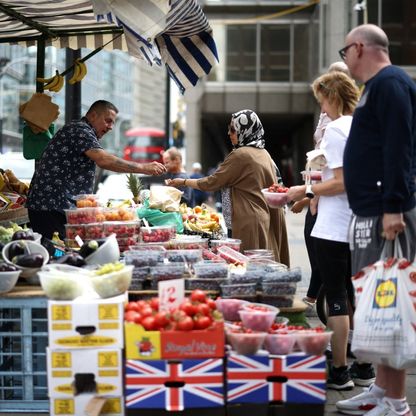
171	294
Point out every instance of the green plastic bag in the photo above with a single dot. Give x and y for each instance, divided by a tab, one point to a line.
157	217
34	144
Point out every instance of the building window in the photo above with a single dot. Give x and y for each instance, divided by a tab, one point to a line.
275	53
241	53
398	19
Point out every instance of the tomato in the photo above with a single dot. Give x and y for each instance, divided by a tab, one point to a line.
202	322
132	306
203	309
211	303
189	308
154	303
146	311
138	319
185	324
141	303
198	295
130	316
149	323
162	319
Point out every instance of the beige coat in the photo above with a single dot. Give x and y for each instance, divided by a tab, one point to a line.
246	171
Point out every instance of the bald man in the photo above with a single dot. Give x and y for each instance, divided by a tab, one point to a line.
379	175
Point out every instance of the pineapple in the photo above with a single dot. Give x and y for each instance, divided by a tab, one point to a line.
134	185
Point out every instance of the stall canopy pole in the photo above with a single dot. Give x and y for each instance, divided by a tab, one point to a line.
167	111
72	92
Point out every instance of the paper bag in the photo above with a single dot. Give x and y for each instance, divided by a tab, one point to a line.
165	198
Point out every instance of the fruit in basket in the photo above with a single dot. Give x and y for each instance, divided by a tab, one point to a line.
277	188
6	267
32	261
109	268
16	249
72	259
88	248
23	235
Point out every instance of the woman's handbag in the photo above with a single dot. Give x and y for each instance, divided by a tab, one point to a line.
385	317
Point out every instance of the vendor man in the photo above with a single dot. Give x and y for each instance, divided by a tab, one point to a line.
67	168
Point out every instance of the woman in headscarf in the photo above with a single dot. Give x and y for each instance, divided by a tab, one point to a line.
245	171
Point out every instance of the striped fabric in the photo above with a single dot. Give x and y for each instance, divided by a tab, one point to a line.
177	35
71	23
171	32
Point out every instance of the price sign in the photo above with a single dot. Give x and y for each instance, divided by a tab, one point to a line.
171	294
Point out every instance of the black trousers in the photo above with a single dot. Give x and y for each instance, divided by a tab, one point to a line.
47	222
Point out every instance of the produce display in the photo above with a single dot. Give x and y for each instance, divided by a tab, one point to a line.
229	308
112	279
204	284
278	288
229	242
232	256
313	341
121	228
257	317
199	219
7	233
157	234
62	285
211	270
197	311
245	341
238	290
86	201
281	343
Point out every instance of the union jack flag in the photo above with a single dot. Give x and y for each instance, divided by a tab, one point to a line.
296	378
174	384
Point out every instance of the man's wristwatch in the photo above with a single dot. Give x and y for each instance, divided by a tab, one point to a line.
308	192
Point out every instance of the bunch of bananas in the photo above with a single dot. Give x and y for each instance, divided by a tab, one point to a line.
199	219
80	70
54	83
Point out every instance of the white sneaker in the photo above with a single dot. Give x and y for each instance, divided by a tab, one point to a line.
360	404
385	408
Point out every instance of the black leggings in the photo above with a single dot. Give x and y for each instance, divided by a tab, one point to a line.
334	262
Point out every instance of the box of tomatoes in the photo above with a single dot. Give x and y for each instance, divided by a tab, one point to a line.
193	329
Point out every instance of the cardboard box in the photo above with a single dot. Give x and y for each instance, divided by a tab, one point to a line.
293	378
151	345
86	323
77	371
174	385
64	406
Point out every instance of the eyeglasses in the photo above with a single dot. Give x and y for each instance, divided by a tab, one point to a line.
343	52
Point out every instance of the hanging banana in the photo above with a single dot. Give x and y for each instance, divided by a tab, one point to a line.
80	70
54	83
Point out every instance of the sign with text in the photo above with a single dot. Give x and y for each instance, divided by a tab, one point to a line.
171	294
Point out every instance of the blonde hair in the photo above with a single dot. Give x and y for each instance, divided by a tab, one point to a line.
339	89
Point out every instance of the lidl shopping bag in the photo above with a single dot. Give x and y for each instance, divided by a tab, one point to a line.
385	317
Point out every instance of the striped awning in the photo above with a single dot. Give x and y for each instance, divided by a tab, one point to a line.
171	32
61	23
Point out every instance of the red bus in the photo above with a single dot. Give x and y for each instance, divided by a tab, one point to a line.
144	144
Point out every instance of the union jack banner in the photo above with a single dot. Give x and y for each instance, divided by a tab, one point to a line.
296	378
174	384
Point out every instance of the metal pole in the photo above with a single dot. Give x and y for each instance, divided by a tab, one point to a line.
167	111
72	92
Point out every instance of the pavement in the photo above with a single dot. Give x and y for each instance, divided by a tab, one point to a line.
299	258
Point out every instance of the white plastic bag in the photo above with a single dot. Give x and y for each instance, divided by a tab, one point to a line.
165	198
385	317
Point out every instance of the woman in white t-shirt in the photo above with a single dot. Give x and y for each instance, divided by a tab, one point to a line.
337	94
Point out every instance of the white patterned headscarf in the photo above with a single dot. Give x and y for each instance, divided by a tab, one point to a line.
249	129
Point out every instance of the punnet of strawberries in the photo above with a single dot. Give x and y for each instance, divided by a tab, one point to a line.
198	311
280	189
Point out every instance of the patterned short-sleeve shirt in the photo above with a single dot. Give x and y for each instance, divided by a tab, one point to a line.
64	170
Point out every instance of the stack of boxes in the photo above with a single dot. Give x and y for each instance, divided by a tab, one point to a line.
84	357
